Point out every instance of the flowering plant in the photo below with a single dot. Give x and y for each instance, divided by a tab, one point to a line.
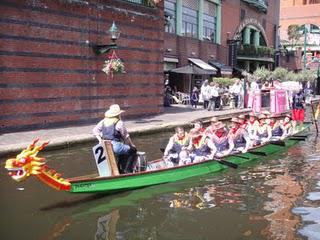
113	65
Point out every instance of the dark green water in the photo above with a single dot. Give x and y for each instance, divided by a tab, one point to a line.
252	202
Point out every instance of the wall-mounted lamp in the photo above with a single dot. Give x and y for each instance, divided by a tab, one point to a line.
114	34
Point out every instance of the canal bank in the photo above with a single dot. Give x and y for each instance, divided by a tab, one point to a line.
177	115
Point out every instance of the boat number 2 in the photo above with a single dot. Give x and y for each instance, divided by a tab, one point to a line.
99	150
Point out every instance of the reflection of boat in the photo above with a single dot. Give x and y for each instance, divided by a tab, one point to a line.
27	163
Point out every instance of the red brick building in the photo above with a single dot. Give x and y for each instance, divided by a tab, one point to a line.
51	77
302	13
203	29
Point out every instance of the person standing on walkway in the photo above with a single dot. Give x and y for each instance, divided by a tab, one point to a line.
194	97
213	93
298	102
236	89
113	129
204	93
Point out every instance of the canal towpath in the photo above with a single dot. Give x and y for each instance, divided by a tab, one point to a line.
176	115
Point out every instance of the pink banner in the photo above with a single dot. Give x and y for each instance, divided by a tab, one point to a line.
278	103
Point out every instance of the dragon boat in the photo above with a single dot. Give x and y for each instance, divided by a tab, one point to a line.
27	164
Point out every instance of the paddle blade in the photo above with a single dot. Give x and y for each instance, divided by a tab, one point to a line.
226	163
279	143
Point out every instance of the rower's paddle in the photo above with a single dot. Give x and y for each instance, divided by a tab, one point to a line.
226	163
297	138
278	143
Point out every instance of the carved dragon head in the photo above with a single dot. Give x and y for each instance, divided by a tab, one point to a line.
26	163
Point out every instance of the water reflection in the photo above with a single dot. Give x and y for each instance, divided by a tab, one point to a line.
106	226
252	202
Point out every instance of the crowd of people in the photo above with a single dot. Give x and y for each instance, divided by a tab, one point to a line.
218	140
211	95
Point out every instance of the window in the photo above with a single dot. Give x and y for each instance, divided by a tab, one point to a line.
190	18
264	24
209	21
242	14
314	1
141	2
170	16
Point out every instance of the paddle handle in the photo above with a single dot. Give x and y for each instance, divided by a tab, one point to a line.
111	158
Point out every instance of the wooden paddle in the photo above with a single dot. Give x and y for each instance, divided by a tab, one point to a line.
278	142
257	153
297	138
226	163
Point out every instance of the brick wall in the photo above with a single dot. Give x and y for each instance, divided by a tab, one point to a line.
231	18
303	14
50	75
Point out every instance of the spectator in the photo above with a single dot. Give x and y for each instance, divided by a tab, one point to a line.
204	93
236	90
298	102
194	97
218	98
167	94
213	93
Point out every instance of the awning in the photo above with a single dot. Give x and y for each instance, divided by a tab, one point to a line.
171	59
202	64
169	63
193	70
224	69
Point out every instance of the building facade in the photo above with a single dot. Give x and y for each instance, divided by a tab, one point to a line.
239	34
51	77
306	15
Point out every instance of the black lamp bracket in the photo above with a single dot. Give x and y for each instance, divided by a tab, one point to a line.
100	49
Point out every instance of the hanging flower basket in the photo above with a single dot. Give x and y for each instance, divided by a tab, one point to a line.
113	65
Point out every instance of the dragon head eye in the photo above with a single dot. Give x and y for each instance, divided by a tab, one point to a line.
22	160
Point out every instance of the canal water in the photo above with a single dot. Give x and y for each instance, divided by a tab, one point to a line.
273	198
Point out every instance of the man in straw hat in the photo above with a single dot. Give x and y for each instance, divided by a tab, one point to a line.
287	126
239	136
221	140
112	128
264	131
252	125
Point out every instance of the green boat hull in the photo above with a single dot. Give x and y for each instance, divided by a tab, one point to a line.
148	178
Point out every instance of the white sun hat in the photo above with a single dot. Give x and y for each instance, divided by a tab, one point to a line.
113	111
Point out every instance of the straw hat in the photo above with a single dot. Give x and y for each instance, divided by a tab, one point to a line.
241	116
219	125
236	120
214	119
262	116
274	116
252	114
265	112
288	115
113	111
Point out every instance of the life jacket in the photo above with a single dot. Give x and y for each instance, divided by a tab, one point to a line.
220	140
251	126
198	138
238	139
263	134
287	127
298	101
276	129
179	143
109	132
